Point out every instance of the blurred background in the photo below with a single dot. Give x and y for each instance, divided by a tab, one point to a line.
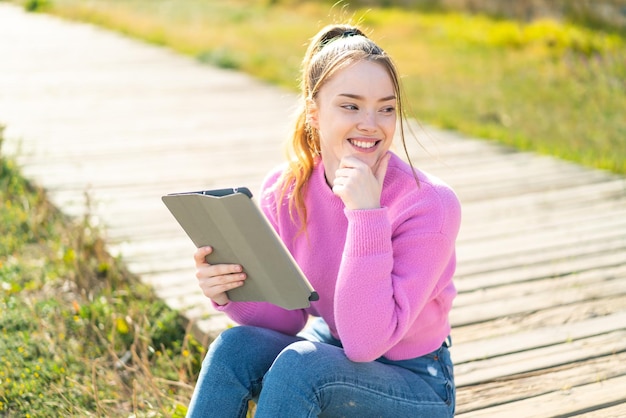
546	76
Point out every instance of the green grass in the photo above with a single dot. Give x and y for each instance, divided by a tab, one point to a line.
80	336
550	87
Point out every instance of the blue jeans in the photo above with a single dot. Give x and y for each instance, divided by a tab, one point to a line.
310	376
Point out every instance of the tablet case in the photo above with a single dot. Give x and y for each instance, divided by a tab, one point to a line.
229	221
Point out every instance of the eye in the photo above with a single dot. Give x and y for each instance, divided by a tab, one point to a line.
350	106
388	109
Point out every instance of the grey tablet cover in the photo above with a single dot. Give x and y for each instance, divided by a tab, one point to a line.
230	222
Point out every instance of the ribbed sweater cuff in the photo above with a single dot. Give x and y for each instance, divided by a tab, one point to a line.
369	232
238	311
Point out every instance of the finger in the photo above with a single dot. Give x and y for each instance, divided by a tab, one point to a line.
207	271
211	281
349	167
215	291
351	162
216	287
381	169
231	279
225	269
341	181
200	255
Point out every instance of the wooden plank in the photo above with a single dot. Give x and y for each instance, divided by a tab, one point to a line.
542	174
539	358
534	242
528	220
469	194
549	237
471	163
490	308
552	200
492	172
127	174
104	148
615	411
588	255
523	341
547	240
569	402
545	318
515	388
502	179
483	228
603	265
576	281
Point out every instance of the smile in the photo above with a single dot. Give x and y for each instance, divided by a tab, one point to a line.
363	144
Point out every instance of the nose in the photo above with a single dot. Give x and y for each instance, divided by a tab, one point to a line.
367	122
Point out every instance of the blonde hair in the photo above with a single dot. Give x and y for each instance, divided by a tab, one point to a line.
330	50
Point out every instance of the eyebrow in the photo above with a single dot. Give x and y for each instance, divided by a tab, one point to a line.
358	97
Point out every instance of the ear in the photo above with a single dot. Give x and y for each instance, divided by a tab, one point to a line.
312	114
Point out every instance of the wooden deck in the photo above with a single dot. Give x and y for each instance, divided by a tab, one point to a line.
540	320
539	325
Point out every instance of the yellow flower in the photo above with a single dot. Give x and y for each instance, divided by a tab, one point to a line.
122	326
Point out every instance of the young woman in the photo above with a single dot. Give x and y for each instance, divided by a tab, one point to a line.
376	239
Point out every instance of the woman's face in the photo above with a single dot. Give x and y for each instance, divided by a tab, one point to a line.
355	115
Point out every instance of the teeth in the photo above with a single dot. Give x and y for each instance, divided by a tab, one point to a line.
363	144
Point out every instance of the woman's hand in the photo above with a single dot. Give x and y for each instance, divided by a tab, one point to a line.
358	185
216	279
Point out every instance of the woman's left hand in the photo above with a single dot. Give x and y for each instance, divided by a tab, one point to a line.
358	185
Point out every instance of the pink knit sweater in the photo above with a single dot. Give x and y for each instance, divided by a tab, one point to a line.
384	276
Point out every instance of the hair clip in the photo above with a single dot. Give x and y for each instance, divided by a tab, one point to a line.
346	34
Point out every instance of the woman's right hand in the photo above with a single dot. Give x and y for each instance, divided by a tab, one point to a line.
216	279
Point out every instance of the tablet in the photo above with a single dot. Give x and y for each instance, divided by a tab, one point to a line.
229	221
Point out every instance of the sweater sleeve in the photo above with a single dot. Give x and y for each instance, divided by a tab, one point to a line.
388	276
262	314
265	315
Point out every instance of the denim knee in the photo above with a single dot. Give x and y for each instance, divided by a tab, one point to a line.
229	340
296	362
247	348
